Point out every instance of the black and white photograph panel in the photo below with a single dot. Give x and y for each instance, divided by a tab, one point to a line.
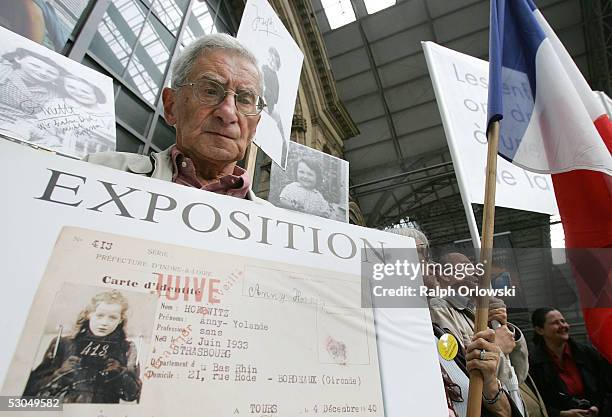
280	62
51	101
47	22
94	345
314	183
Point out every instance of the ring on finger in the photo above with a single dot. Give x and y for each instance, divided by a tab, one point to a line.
482	354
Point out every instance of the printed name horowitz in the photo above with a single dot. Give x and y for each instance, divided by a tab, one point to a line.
424	291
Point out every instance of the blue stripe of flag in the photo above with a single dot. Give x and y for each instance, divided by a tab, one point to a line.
514	39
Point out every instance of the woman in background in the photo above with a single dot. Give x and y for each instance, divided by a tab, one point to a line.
572	378
97	364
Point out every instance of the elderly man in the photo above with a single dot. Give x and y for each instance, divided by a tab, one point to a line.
456	313
214	103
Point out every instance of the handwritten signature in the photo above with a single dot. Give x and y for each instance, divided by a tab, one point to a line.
264	24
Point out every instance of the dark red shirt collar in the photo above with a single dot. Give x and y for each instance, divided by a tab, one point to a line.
568	371
184	172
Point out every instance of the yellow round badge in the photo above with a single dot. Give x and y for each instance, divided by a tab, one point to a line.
448	346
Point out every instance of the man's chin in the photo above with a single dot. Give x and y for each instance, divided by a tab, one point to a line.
217	153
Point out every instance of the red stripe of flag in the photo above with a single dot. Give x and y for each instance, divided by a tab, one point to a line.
584	199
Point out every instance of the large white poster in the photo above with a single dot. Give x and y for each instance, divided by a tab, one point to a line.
460	83
51	101
256	310
280	60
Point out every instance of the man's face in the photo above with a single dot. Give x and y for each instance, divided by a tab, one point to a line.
216	135
460	264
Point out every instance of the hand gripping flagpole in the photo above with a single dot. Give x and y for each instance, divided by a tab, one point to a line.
486	254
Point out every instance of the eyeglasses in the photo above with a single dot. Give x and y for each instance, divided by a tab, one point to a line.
212	93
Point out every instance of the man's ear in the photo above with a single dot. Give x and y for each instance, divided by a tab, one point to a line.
169	99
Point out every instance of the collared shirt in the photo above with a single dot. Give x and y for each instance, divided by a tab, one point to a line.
568	371
461	302
184	172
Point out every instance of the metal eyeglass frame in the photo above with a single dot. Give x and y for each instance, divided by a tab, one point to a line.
225	93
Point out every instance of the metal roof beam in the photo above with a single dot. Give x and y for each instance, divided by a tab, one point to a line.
403	174
390	35
390	124
385	195
427	189
405	183
426	156
399	58
412	132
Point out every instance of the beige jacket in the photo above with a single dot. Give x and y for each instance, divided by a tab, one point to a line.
158	165
452	313
534	404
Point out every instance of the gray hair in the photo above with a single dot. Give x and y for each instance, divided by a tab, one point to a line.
184	62
416	234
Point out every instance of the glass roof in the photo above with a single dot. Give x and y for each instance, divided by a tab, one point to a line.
338	12
373	6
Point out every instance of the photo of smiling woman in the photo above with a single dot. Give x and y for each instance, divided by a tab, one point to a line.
95	362
96	130
28	80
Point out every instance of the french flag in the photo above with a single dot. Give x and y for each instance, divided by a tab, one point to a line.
553	123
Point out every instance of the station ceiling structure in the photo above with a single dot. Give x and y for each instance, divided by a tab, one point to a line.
400	165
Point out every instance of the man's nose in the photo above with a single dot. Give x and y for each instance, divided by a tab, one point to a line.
226	110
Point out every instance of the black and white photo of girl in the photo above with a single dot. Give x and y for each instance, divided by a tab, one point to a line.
98	359
313	183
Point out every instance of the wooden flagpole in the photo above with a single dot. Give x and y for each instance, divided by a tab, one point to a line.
251	158
486	255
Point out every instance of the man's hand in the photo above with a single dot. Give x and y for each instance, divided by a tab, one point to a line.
504	339
498	314
484	340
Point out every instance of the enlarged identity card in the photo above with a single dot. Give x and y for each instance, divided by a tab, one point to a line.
124	326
